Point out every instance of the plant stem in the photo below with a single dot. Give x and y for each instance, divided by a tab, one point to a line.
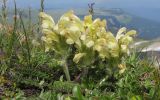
85	71
42	6
4	11
66	71
27	41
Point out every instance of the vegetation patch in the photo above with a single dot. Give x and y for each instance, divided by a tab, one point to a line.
72	59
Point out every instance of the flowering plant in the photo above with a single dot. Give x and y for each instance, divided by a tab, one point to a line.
88	37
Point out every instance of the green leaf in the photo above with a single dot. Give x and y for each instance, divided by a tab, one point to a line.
77	93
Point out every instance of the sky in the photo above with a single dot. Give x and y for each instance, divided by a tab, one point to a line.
144	8
83	3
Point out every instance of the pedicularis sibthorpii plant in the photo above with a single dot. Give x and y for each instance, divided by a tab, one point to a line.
89	37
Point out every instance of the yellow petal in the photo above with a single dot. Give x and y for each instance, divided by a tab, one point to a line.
78	56
83	37
63	32
69	41
113	49
46	16
47	21
122	71
98	23
124	48
74	28
47	40
101	47
122	68
88	20
131	33
90	44
51	34
120	32
104	23
126	40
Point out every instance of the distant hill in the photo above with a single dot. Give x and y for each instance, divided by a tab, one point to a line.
116	18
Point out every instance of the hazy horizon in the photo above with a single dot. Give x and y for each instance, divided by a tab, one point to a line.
99	3
143	8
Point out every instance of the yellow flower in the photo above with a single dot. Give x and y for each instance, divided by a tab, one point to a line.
107	45
124	38
88	21
88	36
124	49
122	68
48	26
47	21
120	33
71	27
93	30
90	44
69	41
102	48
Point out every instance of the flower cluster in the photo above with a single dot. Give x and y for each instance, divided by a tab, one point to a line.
88	37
